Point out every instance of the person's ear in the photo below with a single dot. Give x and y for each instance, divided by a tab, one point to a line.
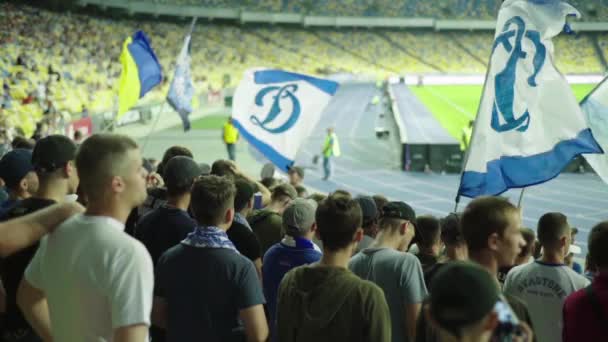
493	242
229	216
403	228
69	169
118	184
491	321
23	184
358	235
313	228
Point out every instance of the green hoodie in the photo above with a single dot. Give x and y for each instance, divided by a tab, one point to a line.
319	303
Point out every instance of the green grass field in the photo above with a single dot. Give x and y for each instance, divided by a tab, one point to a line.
213	122
455	105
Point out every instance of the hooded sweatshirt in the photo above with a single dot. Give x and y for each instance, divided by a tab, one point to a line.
321	303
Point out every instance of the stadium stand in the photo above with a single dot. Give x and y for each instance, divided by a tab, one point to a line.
452	9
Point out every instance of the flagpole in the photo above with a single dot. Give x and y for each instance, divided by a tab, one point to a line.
161	113
521	197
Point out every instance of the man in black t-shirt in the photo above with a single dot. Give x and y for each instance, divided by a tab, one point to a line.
167	225
240	232
53	160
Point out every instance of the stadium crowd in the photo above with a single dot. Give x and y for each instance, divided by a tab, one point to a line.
67	64
450	9
184	251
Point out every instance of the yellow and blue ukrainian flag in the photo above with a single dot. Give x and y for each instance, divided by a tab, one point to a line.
140	71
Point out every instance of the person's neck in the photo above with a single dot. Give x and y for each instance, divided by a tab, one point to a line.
180	202
486	260
456	253
56	192
274	207
108	208
432	250
244	212
338	258
522	260
552	256
384	239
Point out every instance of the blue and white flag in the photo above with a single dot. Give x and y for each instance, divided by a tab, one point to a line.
181	90
529	125
595	107
275	111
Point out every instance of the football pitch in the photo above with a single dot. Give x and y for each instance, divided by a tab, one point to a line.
454	105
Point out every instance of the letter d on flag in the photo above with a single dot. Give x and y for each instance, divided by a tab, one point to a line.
275	111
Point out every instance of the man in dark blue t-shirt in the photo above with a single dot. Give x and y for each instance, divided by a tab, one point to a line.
294	250
205	290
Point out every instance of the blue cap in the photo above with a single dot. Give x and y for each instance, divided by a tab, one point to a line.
15	165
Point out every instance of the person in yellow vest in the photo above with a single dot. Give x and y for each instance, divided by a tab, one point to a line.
331	148
465	140
230	137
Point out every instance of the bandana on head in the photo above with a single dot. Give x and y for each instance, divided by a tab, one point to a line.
209	237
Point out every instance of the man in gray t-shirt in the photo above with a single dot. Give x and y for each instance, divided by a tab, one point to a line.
398	273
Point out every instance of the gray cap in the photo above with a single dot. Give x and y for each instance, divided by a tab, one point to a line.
299	216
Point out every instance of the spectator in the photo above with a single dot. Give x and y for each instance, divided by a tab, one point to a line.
267	223
301	190
89	262
230	169
20	142
240	232
296	176
455	246
585	310
491	229
157	196
428	239
53	160
317	197
544	285
21	181
462	303
25	231
167	225
370	221
294	250
325	301
396	272
230	136
524	257
380	201
211	303
78	137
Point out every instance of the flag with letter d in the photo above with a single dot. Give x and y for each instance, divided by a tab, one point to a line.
595	107
275	111
181	90
140	71
529	125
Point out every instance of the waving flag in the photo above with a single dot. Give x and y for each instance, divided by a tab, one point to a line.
181	90
140	71
595	107
529	125
275	111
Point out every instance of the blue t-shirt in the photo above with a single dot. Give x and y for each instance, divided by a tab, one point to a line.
280	259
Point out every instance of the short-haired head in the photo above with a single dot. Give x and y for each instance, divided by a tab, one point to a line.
339	220
110	162
213	200
428	231
244	194
552	229
597	242
530	239
223	168
483	217
451	233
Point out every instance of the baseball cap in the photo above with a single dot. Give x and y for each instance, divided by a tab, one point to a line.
368	208
180	171
462	293
285	190
399	210
15	165
53	152
299	216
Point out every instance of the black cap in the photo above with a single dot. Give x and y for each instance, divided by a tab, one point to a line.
180	171
462	293
15	165
368	208
53	152
399	210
